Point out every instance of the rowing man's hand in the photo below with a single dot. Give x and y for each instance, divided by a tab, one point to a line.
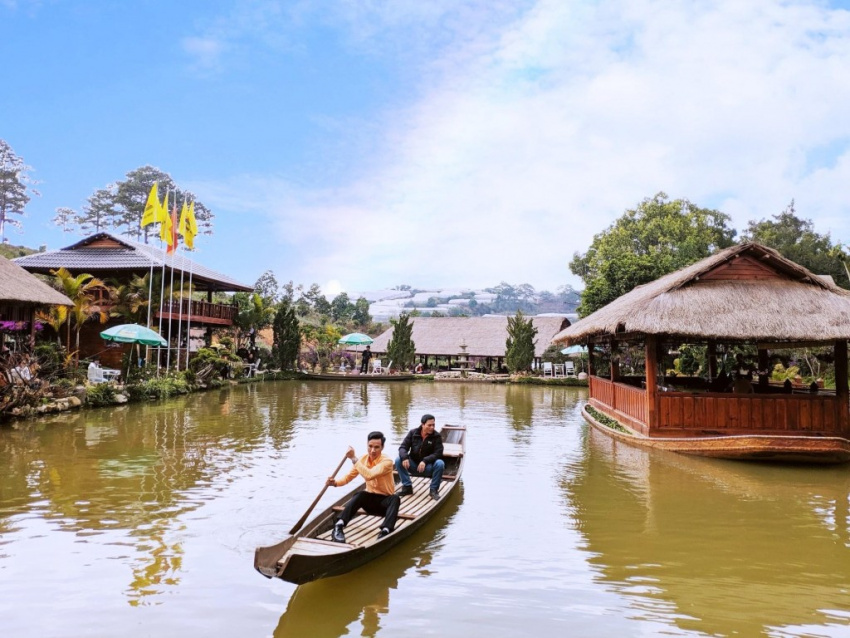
350	454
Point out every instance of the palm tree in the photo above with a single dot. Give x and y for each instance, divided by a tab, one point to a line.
131	299
83	291
55	318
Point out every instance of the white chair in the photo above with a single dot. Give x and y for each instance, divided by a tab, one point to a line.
547	369
377	368
570	368
95	374
559	370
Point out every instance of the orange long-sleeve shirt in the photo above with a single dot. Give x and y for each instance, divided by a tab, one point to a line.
378	475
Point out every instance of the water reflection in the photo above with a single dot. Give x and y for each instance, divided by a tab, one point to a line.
326	608
400	396
714	546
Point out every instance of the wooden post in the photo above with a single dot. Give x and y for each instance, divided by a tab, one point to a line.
590	347
651	382
764	363
615	362
712	360
841	391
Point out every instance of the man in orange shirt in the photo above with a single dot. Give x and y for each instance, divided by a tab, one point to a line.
379	497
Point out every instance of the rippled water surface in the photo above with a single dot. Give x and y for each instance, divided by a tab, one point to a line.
142	521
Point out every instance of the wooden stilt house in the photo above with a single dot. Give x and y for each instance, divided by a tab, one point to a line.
747	299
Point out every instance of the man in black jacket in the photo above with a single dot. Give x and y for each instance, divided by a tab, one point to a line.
421	454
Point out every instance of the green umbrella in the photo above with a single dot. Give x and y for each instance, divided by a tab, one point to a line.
133	333
356	339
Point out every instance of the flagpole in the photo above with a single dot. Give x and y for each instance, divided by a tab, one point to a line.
180	316
171	286
162	290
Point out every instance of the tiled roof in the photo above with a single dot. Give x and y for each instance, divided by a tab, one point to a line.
126	255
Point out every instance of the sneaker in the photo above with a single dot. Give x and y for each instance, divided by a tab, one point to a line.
384	532
406	490
435	495
338	535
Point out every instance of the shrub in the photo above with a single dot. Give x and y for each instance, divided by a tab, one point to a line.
100	394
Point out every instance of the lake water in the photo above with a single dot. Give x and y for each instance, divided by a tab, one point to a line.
142	521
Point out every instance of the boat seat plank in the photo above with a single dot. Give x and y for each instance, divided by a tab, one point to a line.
360	512
452	449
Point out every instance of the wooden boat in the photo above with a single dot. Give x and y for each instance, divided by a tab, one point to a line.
310	554
338	376
744	447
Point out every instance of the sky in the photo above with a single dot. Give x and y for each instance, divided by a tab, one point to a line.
366	144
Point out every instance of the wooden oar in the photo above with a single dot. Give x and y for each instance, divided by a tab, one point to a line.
318	498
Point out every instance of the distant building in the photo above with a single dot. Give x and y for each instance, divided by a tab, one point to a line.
484	338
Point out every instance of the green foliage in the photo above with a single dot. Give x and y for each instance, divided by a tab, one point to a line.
519	347
342	309
361	314
120	205
159	387
255	312
287	336
401	350
658	237
15	188
796	240
692	360
553	354
780	373
100	394
605	420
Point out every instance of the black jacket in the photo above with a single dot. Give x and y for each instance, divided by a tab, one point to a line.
414	448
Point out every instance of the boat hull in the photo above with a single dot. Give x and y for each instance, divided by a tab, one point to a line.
309	554
330	376
745	447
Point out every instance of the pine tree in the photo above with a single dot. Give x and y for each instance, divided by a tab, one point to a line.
519	347
401	350
15	187
287	336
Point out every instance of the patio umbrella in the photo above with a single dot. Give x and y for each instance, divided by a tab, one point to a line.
133	333
574	351
356	339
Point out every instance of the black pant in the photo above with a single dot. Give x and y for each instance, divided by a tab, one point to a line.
375	504
364	366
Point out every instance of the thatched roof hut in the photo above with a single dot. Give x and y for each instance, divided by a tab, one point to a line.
483	336
745	292
18	287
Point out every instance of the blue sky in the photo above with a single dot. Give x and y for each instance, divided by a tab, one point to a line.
366	144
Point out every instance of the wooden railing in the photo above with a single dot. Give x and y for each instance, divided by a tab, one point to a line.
199	311
624	399
771	412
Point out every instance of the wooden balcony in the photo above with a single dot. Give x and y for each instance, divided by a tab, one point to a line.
199	312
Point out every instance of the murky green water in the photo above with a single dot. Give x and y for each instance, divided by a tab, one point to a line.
142	521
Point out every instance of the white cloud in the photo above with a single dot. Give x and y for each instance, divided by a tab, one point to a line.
205	52
530	138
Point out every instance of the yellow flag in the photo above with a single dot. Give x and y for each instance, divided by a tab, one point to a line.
188	225
151	213
165	222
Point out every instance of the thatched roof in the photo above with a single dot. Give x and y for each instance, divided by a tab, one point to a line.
17	286
746	292
484	336
107	255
